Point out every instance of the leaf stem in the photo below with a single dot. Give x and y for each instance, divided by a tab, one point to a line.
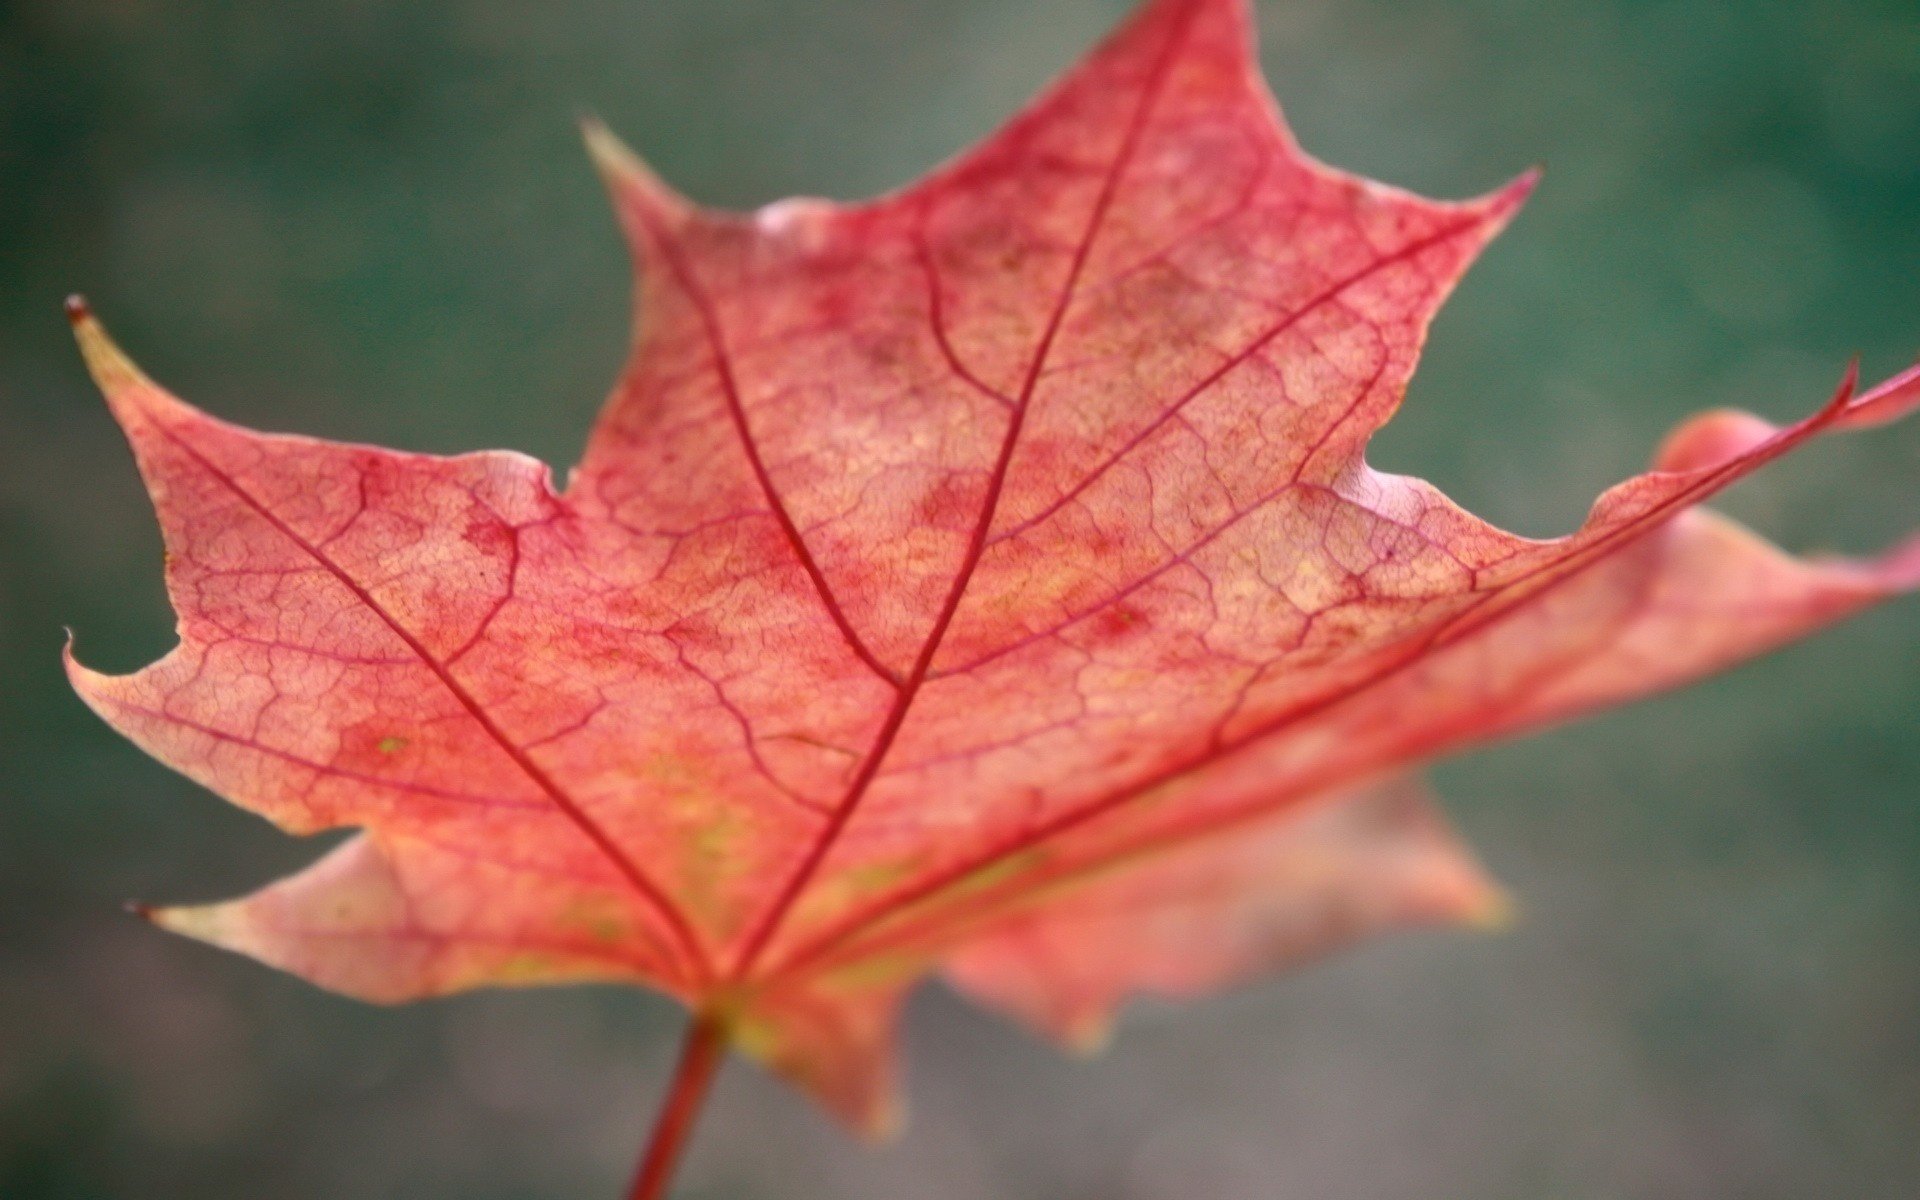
700	1054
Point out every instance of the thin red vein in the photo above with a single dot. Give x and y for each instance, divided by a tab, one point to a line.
747	735
417	933
1238	359
737	414
936	317
843	813
1478	617
319	768
944	925
623	862
1180	558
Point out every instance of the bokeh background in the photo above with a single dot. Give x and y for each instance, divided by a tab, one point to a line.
371	219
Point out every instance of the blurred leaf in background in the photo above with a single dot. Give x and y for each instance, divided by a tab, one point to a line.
371	220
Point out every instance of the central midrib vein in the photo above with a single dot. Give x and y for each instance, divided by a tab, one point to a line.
1487	612
909	687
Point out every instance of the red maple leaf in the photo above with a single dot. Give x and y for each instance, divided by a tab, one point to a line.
984	579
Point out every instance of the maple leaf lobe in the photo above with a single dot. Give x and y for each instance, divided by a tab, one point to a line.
986	578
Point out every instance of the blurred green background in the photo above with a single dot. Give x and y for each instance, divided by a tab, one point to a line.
371	219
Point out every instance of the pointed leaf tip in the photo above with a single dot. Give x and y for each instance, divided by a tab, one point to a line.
1089	1036
1849	384
1504	203
86	681
1888	401
1493	912
608	152
883	1121
1521	187
627	175
109	365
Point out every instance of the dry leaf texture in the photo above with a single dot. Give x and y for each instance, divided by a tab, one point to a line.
984	578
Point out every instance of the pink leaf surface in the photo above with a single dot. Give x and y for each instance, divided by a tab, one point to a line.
986	578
